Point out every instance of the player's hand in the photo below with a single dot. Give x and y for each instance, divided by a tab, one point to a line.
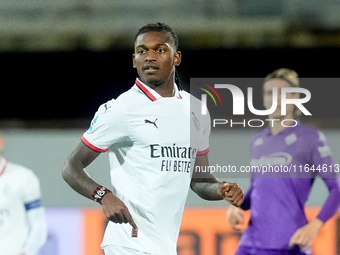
305	236
235	216
116	211
231	192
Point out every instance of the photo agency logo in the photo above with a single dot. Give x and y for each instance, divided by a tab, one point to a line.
231	106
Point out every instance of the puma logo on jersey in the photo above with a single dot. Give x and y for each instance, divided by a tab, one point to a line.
106	107
151	122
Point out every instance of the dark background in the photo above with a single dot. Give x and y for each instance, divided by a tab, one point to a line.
44	86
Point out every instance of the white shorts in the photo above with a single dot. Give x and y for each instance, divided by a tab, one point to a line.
120	250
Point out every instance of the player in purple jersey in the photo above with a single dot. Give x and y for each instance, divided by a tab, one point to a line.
278	224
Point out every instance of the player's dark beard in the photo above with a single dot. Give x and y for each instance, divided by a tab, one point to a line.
153	82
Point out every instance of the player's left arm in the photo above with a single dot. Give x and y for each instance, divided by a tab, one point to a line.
305	235
208	187
37	231
320	156
35	216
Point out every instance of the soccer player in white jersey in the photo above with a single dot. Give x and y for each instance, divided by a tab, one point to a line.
152	149
23	229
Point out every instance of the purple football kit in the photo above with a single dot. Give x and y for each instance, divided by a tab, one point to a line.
292	159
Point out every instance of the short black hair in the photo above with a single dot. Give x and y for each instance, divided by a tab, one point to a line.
159	27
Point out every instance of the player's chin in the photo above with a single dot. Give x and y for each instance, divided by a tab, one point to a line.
153	80
275	116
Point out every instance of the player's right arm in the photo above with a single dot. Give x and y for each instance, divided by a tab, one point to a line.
235	216
74	172
75	175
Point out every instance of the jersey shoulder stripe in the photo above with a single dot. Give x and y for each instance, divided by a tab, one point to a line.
91	146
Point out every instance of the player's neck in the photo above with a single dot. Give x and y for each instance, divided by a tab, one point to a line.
276	126
276	129
165	90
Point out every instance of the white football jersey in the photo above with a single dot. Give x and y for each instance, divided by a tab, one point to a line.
19	192
152	142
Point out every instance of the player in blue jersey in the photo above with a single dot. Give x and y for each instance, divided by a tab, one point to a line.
278	225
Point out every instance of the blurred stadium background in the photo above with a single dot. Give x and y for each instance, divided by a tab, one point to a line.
60	60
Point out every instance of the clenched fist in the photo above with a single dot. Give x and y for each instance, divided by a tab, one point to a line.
231	192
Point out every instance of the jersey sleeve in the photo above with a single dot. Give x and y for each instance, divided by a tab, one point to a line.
246	204
31	194
321	157
37	235
108	126
204	139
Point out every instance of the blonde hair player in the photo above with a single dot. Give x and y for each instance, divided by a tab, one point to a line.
278	225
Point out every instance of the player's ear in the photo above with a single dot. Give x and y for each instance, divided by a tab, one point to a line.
177	58
133	61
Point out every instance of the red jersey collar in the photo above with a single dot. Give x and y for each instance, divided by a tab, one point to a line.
3	164
152	94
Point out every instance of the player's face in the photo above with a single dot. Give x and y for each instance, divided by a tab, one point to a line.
268	98
155	58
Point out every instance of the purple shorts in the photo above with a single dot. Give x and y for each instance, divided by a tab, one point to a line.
243	250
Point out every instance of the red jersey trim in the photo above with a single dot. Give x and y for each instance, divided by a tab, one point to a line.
203	152
3	168
145	91
92	146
